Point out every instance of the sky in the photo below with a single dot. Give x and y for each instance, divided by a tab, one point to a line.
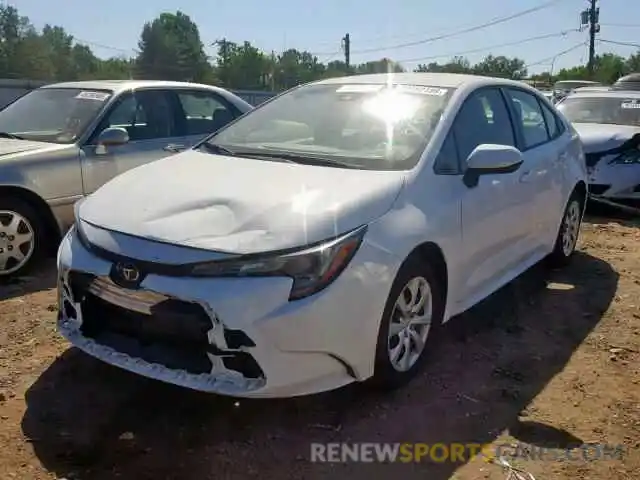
113	28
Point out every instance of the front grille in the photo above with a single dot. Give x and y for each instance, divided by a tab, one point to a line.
156	328
598	188
170	322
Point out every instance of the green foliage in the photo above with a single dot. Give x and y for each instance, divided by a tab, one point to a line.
499	66
608	67
170	48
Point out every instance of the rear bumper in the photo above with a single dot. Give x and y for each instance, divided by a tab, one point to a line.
295	348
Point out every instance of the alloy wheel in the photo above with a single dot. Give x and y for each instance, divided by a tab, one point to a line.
571	228
17	241
410	324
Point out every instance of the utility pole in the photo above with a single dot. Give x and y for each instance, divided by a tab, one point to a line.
346	45
592	15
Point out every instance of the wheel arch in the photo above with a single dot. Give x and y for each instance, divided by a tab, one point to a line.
581	189
431	253
35	201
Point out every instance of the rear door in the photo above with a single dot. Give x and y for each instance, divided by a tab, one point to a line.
201	112
150	120
541	144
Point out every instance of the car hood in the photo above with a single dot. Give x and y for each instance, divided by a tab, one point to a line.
10	146
601	137
238	205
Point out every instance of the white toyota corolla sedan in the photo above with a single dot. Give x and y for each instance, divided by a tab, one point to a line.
323	237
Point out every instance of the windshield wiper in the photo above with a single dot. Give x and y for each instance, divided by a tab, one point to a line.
219	149
11	136
304	159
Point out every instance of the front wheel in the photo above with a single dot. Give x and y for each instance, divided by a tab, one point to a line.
412	315
568	233
20	233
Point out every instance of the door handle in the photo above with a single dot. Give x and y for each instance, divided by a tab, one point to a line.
174	148
525	177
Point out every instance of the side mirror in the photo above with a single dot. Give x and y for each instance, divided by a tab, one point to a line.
490	159
113	136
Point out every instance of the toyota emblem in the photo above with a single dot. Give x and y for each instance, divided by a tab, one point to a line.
128	272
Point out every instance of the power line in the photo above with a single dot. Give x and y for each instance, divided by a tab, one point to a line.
490	23
624	44
392	37
100	45
553	57
491	47
456	33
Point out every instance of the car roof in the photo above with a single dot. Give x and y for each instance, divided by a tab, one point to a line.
118	86
605	93
568	82
444	80
602	88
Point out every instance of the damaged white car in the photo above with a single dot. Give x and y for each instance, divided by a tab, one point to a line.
609	126
324	237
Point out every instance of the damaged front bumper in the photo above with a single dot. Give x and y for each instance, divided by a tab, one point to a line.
616	182
237	337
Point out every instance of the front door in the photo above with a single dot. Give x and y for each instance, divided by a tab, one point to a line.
148	117
496	213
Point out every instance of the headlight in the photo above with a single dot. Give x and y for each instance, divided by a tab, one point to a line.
630	157
76	208
311	269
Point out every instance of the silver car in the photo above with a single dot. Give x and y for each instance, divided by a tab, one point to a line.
608	123
62	141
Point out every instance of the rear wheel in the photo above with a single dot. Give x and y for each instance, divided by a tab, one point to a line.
20	237
412	316
569	231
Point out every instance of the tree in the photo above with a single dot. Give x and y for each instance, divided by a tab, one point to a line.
84	63
59	44
384	65
242	65
456	65
294	67
171	49
502	67
14	29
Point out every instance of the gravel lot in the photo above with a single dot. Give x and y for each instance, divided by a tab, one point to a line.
553	359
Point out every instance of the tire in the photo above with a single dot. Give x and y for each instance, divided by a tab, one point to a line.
388	376
29	226
568	233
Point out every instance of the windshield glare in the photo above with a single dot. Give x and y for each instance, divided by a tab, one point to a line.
369	126
609	110
56	115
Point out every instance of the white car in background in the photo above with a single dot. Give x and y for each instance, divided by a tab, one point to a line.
322	238
609	126
563	88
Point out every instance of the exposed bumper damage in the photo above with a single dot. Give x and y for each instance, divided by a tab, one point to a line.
233	336
611	177
157	336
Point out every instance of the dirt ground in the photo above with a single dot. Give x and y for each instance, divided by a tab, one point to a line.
551	360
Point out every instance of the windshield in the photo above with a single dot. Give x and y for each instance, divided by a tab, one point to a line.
611	110
57	115
570	85
368	126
